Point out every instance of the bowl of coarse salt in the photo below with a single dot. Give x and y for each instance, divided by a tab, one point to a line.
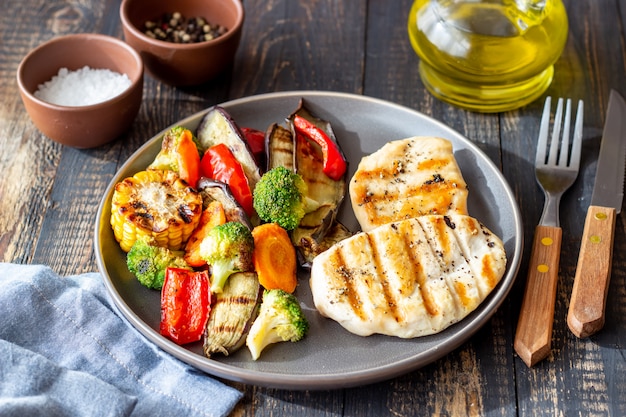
82	90
184	42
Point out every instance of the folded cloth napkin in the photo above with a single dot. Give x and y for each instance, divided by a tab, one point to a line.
64	351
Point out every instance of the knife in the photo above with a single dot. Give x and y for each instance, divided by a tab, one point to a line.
593	272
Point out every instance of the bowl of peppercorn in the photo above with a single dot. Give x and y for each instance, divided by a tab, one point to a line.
183	42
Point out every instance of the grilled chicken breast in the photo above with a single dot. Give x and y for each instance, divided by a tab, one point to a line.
407	178
409	278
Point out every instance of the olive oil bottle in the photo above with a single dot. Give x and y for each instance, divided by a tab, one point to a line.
487	55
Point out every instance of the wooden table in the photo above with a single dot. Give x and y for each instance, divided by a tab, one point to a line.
49	194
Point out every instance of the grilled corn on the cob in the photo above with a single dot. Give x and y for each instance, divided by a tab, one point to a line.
155	204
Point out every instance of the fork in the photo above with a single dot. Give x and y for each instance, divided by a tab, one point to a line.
556	169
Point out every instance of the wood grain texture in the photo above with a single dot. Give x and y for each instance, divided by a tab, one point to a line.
533	337
49	194
585	316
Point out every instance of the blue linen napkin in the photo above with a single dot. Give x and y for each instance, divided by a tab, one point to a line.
64	351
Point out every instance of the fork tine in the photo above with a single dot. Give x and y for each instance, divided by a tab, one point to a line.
578	137
556	133
565	151
542	139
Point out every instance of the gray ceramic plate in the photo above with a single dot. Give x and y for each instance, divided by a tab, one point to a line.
329	357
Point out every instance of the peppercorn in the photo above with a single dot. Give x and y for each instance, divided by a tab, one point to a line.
173	27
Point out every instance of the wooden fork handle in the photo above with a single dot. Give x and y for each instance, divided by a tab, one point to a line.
593	273
534	328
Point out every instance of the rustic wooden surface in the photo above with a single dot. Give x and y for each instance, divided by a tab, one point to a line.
49	194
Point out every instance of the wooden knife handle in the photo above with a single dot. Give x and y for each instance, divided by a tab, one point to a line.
593	273
534	328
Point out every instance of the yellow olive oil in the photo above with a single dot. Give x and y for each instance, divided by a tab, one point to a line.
487	55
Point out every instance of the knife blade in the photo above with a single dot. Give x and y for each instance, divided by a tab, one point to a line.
593	271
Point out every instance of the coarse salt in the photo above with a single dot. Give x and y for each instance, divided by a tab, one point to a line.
83	87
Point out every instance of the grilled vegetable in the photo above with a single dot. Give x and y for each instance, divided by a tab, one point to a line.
212	190
282	197
179	153
329	193
280	319
217	126
185	305
309	163
220	164
232	314
280	147
212	216
334	162
274	257
309	248
256	143
157	205
227	248
149	262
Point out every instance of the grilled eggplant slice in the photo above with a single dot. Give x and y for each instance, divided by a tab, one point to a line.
310	248
232	314
211	190
279	147
309	163
217	126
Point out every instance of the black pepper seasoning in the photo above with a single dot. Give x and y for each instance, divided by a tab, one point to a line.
174	27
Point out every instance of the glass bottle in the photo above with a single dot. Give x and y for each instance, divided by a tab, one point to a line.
487	55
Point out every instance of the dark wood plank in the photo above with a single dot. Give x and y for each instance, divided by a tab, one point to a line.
49	194
474	379
289	45
580	376
316	45
29	159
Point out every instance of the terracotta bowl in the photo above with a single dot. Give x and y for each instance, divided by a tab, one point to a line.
90	125
184	64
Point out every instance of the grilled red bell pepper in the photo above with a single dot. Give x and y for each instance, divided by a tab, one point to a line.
256	141
185	304
220	164
334	163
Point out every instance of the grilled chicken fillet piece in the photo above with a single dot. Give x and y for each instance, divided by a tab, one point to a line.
409	278
407	178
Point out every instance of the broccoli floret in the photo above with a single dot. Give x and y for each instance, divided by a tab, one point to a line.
227	248
148	262
281	197
280	319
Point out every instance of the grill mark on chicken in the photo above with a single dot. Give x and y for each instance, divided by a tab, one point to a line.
430	270
405	179
417	269
487	270
446	243
389	306
485	265
434	195
347	280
